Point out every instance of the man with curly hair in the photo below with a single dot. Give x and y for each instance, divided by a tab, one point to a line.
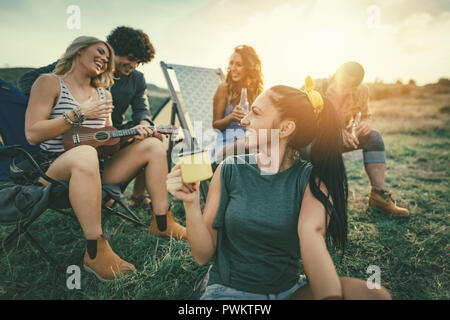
132	48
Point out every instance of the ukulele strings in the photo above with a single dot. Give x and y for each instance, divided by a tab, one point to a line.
92	135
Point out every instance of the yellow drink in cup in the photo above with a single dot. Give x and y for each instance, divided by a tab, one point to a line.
195	166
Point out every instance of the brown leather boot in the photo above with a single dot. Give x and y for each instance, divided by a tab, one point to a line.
106	265
381	199
173	229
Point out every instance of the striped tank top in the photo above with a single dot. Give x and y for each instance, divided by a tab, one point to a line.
67	102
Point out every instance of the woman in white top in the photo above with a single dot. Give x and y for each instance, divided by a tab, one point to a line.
76	94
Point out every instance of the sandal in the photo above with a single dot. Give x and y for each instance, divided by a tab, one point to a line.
141	201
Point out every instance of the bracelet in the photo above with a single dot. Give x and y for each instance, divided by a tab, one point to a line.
78	114
80	118
67	119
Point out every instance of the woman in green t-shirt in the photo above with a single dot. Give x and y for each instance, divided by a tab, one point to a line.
265	212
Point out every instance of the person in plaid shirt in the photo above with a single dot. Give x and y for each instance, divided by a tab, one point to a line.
350	97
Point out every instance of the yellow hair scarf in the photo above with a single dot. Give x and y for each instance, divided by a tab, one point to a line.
314	96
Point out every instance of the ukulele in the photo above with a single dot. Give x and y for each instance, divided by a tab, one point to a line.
106	140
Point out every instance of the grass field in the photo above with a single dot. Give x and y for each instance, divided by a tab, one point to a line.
412	253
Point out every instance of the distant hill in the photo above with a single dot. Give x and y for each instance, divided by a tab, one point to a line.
155	90
11	75
157	96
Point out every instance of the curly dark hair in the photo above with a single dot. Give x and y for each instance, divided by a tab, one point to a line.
126	41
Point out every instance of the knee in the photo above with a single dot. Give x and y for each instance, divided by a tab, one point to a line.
154	147
356	289
373	141
85	160
375	135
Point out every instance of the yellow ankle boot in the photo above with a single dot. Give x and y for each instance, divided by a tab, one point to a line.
382	200
173	229
106	265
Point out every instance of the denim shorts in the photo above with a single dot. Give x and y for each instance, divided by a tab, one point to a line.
221	292
372	145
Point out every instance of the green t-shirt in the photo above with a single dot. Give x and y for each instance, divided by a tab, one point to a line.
258	248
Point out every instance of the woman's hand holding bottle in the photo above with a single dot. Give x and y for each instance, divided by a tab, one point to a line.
237	114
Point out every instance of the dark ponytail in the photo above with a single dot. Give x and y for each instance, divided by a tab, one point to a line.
325	133
329	169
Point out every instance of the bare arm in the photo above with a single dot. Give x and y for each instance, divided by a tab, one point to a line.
220	103
319	267
201	235
38	126
43	96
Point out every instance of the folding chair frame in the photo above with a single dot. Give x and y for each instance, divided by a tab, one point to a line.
22	227
177	111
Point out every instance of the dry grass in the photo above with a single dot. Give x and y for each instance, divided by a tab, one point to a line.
411	253
421	110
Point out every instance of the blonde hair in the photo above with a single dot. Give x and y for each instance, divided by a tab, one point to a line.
65	64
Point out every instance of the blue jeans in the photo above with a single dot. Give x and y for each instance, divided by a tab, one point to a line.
371	144
221	292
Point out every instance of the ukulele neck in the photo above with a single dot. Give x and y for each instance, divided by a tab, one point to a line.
126	132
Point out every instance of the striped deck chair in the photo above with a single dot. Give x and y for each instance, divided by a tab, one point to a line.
193	106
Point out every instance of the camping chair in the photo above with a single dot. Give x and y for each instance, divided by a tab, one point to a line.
14	148
31	201
193	105
13	104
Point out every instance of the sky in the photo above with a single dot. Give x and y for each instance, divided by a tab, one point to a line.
392	39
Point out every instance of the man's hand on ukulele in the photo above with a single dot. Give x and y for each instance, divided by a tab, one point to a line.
145	132
155	134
